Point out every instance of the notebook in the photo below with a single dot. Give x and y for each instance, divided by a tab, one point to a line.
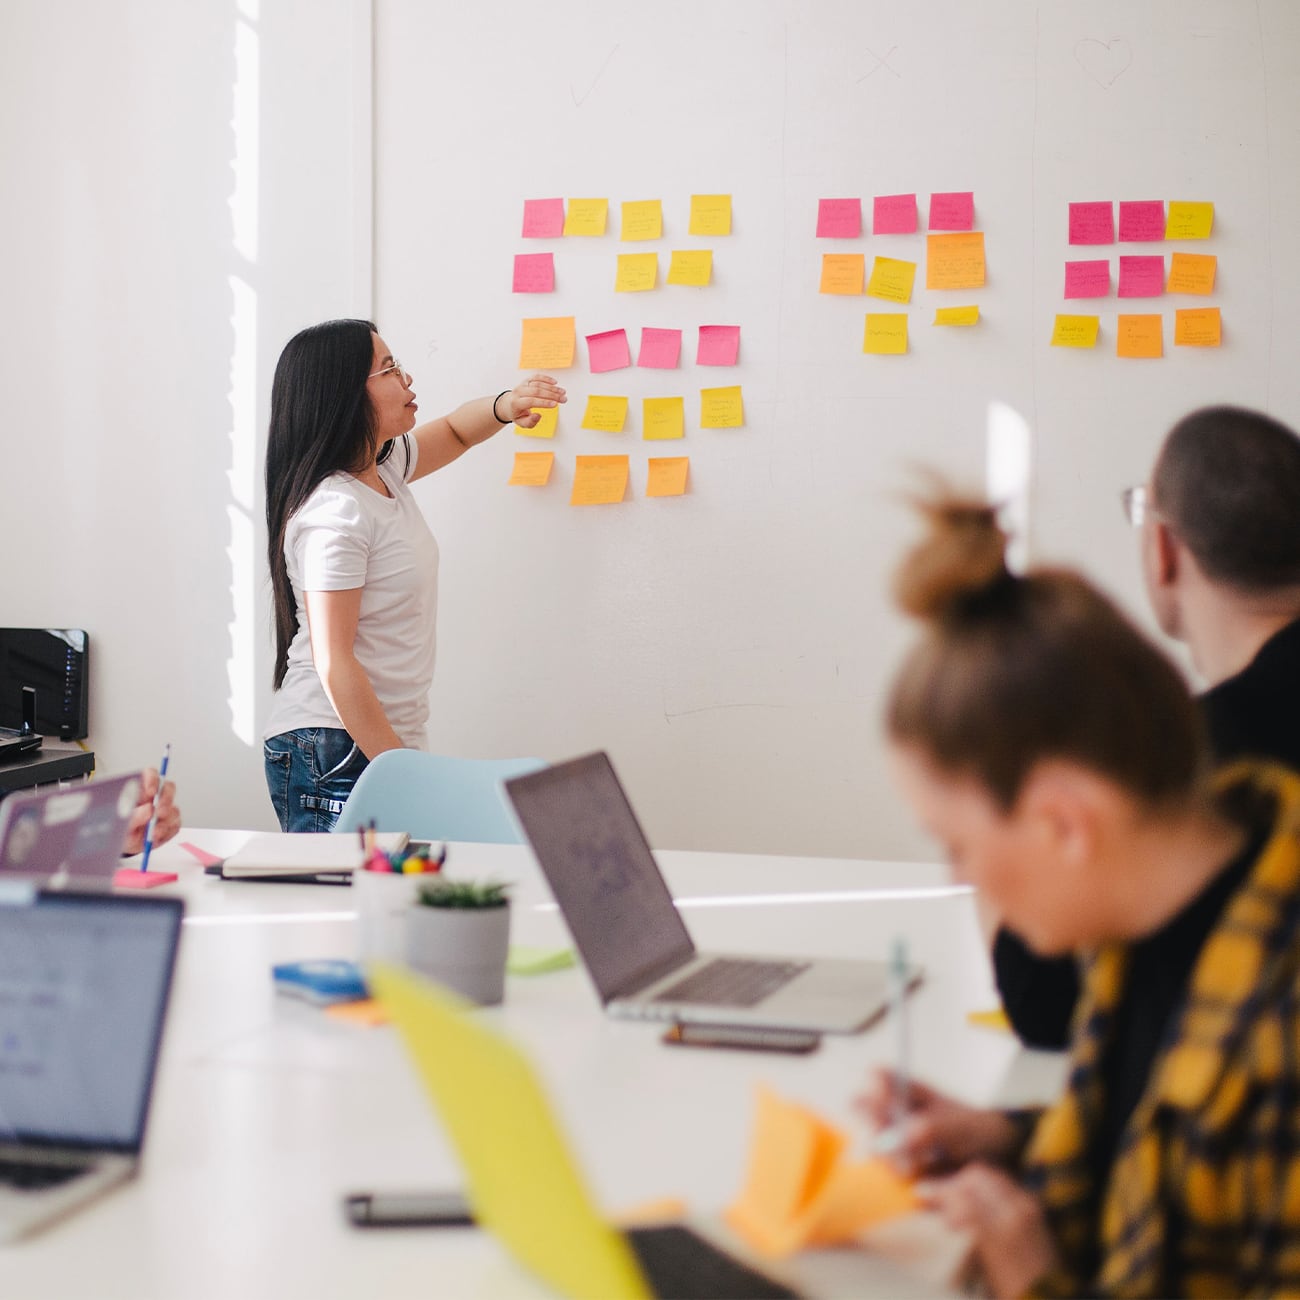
633	941
524	1185
85	980
328	857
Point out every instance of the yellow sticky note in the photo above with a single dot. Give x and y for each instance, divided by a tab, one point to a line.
1075	331
956	315
843	272
710	214
891	279
1189	220
532	468
586	217
886	333
546	426
636	272
663	417
692	266
994	1018
1197	327
1140	336
667	476
548	343
955	261
643	219
608	414
1192	272
599	480
721	408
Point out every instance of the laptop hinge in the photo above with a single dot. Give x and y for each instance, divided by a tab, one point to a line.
649	974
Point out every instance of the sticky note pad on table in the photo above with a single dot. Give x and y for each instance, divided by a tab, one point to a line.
666	476
660	348
534	273
886	334
642	219
691	266
543	218
891	279
1189	220
547	343
839	218
1092	223
532	468
956	315
954	210
1139	336
608	414
663	417
954	261
546	426
1192	272
637	272
893	214
1142	277
608	351
1089	279
1075	331
599	480
1197	327
1141	222
710	214
530	959
586	217
721	408
843	273
719	345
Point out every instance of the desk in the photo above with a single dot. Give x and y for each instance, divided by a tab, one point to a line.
48	764
266	1111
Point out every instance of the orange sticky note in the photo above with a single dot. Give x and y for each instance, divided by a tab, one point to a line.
663	417
365	1011
1140	336
891	279
856	1197
1192	272
532	468
643	219
721	408
1197	327
1075	331
843	272
955	261
637	272
599	480
586	217
710	214
666	476
548	343
886	333
546	426
691	266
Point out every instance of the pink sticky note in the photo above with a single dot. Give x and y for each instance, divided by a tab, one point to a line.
719	345
608	351
660	349
1141	277
893	214
543	218
1141	222
839	218
1087	279
955	211
534	273
1092	223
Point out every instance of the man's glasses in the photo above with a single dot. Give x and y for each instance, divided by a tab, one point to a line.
1136	505
396	368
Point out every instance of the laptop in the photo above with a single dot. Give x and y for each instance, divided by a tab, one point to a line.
17	741
524	1185
84	983
633	941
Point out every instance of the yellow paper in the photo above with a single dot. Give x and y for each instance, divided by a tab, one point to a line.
586	217
1192	273
1075	331
710	214
636	272
545	427
663	417
886	333
693	266
891	279
607	414
548	343
956	315
955	261
532	468
599	480
1197	327
667	476
1189	220
1140	336
721	408
993	1019
642	220
842	273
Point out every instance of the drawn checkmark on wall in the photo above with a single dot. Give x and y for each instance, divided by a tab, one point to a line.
578	99
1104	61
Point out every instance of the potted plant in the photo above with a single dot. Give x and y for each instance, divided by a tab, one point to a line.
458	933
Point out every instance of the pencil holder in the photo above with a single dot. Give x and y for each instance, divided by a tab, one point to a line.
383	902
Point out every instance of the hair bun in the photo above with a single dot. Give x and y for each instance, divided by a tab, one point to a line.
962	557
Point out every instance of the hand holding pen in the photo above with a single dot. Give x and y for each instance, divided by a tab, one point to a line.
152	828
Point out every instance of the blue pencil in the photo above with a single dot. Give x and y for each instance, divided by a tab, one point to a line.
153	813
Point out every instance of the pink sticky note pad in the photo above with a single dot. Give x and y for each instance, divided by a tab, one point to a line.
543	218
130	878
660	349
534	273
1141	222
839	218
201	856
953	211
1141	277
608	351
1087	279
1092	223
719	345
893	214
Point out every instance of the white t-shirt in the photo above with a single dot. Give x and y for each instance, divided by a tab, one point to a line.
346	535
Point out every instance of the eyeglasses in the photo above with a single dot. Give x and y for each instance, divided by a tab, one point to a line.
401	372
1136	504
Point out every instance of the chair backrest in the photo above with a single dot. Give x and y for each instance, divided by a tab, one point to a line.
436	797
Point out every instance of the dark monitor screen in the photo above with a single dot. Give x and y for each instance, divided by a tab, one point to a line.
54	662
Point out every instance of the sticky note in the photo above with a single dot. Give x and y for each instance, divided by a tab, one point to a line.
532	468
1189	220
1139	336
608	414
1197	327
719	345
534	273
666	476
599	480
1075	331
693	266
839	218
994	1018
660	348
952	211
663	417
891	279
1092	223
642	219
545	427
1141	277
710	214
955	261
366	1012
1192	272
721	408
1140	223
957	316
534	959
893	214
637	272
586	217
1087	279
548	343
843	272
543	218
608	351
886	334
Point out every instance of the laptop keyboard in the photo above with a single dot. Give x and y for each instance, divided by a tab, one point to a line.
684	1266
733	982
29	1177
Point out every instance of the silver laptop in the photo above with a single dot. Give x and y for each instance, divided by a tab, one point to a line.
84	983
632	939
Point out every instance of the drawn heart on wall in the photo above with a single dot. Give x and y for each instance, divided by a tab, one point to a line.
1104	61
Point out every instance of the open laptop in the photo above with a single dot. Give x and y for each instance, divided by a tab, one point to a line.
524	1185
632	939
84	983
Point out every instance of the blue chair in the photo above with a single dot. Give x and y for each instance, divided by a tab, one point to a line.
434	797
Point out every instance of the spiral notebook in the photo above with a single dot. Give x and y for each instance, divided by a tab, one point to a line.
323	857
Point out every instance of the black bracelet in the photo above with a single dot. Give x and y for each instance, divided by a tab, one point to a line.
495	400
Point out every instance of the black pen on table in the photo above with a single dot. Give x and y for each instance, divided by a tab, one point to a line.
153	811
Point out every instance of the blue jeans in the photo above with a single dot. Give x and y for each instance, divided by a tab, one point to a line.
310	773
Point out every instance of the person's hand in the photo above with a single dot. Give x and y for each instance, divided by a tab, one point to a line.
538	390
169	816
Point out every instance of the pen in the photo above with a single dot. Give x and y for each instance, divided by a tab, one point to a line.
153	812
898	995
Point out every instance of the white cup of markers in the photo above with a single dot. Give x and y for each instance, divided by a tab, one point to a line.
416	859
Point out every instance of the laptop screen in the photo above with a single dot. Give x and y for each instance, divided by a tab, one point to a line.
84	981
600	868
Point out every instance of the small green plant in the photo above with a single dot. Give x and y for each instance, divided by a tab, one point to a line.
464	893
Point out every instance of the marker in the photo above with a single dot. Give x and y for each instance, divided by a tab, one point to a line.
890	1139
153	812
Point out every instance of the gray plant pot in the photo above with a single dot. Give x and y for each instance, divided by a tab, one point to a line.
461	947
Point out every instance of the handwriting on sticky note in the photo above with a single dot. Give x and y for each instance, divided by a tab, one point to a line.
545	427
886	334
721	408
893	214
1142	222
719	345
608	351
691	266
1192	272
1092	223
637	272
534	273
543	218
599	480
548	343
1075	331
660	348
952	211
1142	277
710	214
1189	220
1197	327
666	476
663	417
1087	279
891	279
954	261
642	219
843	273
608	414
957	316
1139	336
586	217
532	468
839	218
